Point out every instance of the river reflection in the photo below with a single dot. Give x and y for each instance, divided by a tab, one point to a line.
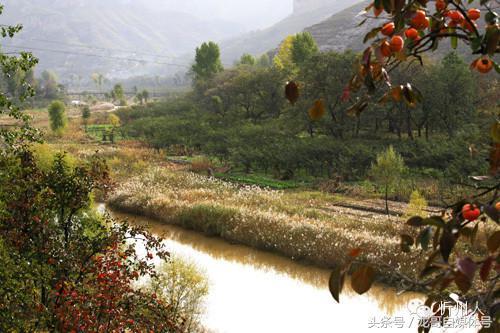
255	291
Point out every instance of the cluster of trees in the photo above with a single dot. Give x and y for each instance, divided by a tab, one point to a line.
63	266
47	88
241	115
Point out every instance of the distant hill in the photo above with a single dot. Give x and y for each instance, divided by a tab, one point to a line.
115	29
306	13
341	32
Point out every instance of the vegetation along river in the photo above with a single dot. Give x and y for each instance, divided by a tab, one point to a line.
255	291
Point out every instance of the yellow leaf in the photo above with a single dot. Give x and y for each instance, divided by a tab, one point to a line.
318	110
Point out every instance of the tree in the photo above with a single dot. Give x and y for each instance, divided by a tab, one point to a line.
453	107
57	116
98	79
207	61
180	284
387	171
117	94
145	95
283	60
247	59
56	253
86	115
417	205
303	48
324	76
114	120
48	85
264	61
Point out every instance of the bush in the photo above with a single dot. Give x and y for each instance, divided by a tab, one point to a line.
416	206
180	284
57	115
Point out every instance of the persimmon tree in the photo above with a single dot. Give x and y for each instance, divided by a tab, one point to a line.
458	249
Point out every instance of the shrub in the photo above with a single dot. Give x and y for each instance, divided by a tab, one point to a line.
180	284
417	205
57	115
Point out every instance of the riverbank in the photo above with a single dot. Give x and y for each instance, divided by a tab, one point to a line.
296	295
296	224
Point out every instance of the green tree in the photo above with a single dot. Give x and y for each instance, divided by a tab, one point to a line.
118	93
57	116
452	106
86	115
48	85
145	95
247	59
303	48
387	170
324	76
207	61
264	61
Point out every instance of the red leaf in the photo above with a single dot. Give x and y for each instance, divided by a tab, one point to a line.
362	279
355	252
292	92
467	266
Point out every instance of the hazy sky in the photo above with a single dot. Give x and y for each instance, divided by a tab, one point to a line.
251	13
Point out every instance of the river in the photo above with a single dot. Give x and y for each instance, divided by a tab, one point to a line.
254	291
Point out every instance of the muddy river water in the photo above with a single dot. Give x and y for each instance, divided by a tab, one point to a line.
252	291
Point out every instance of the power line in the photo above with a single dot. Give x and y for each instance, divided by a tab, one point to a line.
92	47
93	55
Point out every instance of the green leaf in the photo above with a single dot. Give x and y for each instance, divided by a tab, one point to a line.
362	279
497	67
454	42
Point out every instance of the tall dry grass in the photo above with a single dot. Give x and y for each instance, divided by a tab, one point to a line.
282	222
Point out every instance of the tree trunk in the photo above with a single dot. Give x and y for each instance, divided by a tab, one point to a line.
387	199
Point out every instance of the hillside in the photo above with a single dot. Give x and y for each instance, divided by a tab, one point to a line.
261	41
114	28
340	32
